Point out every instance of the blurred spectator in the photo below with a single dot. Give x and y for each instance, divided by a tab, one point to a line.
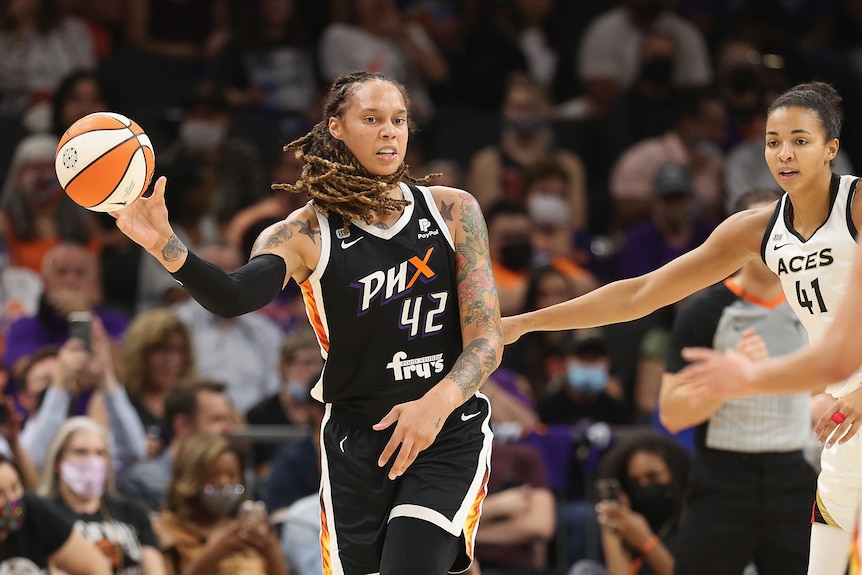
745	448
36	213
200	406
695	140
204	135
484	52
193	185
509	242
541	38
518	514
589	391
241	351
70	274
299	364
539	355
296	465
42	44
81	93
527	137
640	527
377	38
194	31
647	108
546	189
78	478
10	429
19	295
278	204
199	529
608	55
277	51
156	356
300	536
673	230
36	534
80	382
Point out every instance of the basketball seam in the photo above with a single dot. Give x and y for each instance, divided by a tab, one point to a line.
126	171
102	155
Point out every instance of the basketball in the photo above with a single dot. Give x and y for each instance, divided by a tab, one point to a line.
104	161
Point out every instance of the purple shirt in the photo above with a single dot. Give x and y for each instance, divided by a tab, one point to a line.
646	250
27	334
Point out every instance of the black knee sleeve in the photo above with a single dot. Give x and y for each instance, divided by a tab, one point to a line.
417	547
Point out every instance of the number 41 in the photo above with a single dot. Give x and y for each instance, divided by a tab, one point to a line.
805	301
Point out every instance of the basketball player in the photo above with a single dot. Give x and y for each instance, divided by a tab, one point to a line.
751	487
807	238
398	286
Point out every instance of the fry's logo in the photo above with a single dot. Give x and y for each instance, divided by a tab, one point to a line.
403	368
394	281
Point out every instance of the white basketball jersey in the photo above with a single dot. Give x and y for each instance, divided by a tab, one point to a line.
814	272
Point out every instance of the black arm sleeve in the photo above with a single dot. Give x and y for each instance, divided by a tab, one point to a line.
227	295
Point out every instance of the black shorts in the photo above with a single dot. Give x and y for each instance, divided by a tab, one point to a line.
445	485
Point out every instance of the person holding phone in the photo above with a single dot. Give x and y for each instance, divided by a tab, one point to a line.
642	482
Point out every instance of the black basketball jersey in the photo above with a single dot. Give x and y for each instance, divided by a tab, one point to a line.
384	305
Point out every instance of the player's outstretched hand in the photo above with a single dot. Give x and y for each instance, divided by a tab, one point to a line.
417	425
850	408
145	220
714	374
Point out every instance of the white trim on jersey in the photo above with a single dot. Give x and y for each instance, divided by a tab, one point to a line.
326	501
399	225
438	217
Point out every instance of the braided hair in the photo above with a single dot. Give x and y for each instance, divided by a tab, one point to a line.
332	176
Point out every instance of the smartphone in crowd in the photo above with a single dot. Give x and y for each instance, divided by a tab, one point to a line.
79	326
608	489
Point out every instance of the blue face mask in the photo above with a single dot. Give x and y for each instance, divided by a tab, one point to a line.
298	391
587	380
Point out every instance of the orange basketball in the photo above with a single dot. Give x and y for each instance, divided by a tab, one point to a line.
104	161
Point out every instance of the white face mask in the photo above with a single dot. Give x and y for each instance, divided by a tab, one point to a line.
547	209
202	134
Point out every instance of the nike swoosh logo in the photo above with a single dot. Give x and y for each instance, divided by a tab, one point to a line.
779	247
468	417
345	245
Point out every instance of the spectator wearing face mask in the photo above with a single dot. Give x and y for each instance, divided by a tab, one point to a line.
33	533
36	214
204	134
588	391
200	530
647	108
526	137
640	522
79	480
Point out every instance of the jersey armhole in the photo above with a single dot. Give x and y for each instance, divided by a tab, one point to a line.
851	193
769	227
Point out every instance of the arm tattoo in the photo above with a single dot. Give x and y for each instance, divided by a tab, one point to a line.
473	366
306	229
480	308
446	211
173	249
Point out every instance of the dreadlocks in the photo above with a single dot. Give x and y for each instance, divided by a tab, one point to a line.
332	175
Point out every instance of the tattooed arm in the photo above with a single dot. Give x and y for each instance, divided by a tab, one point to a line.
418	422
477	297
279	253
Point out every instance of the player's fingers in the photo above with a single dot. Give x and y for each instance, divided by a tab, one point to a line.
159	189
849	432
390	448
406	456
388	419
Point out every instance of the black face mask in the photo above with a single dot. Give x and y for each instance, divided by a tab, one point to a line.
526	128
658	71
655	502
743	79
517	256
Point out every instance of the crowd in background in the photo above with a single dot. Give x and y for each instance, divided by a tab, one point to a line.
602	138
